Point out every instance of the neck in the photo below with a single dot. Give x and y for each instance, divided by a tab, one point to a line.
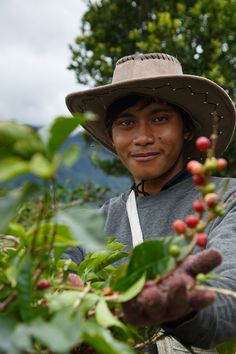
155	185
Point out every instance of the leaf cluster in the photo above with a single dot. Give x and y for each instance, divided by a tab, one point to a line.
48	302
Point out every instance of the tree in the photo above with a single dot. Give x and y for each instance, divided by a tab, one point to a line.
200	33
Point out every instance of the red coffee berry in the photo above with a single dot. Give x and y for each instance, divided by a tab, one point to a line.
201	239
199	180
192	221
74	280
211	199
179	226
221	164
43	284
203	143
195	167
198	206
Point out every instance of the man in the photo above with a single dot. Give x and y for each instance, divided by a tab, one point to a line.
150	116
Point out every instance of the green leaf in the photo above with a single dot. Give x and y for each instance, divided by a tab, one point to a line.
14	337
153	259
61	233
21	338
16	229
133	291
7	326
86	226
105	317
19	140
10	132
61	128
61	334
24	288
99	260
12	167
228	347
88	302
70	155
102	340
42	167
11	201
68	298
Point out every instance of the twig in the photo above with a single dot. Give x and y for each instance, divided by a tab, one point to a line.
217	290
7	301
214	135
82	295
151	340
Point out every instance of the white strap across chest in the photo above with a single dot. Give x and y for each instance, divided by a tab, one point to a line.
132	211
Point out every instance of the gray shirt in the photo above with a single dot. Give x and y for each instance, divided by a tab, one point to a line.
216	323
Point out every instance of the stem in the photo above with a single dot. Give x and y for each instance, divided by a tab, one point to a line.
157	336
214	135
38	221
7	301
54	206
81	297
217	290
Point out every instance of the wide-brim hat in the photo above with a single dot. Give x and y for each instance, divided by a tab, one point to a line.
160	75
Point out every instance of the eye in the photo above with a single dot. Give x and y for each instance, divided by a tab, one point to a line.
160	118
124	122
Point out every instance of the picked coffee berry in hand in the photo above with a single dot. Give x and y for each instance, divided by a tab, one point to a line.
203	143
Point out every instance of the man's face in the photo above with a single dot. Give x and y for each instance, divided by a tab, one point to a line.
148	140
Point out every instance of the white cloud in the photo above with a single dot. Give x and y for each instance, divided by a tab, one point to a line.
34	55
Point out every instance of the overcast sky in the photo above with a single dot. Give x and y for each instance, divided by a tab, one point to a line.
34	39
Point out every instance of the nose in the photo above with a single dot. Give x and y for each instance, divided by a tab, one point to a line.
143	134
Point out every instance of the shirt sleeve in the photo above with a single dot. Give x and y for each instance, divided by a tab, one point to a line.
216	323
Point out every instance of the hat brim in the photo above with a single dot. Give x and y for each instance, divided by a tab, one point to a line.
198	96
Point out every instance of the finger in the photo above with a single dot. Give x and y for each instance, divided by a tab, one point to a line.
178	303
147	308
199	299
153	303
131	312
202	262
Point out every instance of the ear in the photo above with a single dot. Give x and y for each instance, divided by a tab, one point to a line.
188	135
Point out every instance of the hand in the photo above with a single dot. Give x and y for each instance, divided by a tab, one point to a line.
174	297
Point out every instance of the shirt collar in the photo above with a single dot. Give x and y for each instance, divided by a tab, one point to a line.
179	177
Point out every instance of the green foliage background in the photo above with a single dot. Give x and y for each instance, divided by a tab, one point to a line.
200	33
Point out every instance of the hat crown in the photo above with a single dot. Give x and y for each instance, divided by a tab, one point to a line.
152	65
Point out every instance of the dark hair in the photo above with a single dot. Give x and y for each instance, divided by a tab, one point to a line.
128	101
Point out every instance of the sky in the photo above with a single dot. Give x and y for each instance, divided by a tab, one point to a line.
34	40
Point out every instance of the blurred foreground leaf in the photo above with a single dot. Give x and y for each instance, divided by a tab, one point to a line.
102	340
86	226
61	128
228	347
11	201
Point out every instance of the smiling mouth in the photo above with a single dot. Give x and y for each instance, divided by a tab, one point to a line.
144	156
